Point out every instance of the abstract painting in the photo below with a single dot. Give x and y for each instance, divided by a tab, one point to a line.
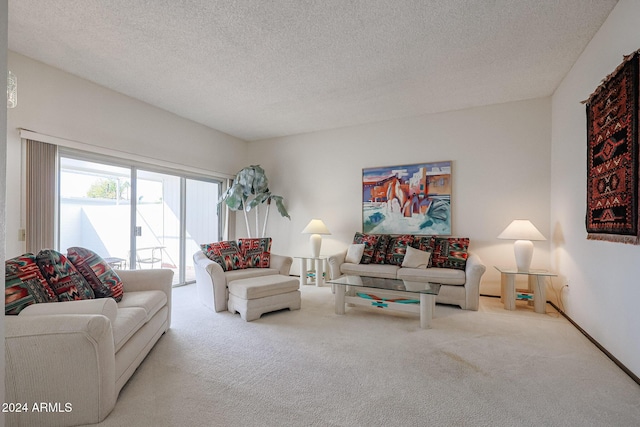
407	199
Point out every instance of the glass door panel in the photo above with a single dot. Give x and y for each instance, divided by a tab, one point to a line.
95	209
157	225
202	222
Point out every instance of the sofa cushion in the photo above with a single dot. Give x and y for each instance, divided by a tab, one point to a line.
256	252
370	241
445	276
104	306
397	248
372	270
263	286
450	252
127	323
67	283
24	284
226	253
415	258
380	253
423	243
354	253
97	272
151	301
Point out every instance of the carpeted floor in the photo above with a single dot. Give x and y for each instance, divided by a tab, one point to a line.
312	367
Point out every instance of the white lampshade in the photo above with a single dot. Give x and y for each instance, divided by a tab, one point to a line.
521	229
315	227
523	232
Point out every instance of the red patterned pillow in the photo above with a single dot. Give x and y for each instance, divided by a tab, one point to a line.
450	252
101	277
370	241
67	283
24	284
380	253
256	252
423	243
397	248
226	253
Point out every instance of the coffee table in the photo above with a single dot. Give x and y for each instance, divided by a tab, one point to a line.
383	293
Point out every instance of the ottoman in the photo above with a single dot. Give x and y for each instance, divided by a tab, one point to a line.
254	296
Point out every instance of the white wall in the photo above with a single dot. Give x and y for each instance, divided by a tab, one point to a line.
501	169
604	288
3	175
56	103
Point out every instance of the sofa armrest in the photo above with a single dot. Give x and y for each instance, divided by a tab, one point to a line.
104	306
211	282
39	367
159	279
282	263
335	261
473	272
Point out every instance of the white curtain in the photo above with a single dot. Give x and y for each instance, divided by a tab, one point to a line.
41	176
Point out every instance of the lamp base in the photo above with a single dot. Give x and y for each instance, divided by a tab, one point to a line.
523	250
316	241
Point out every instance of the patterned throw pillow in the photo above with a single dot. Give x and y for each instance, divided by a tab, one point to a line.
423	243
380	253
24	284
256	252
450	252
397	248
226	253
101	277
370	241
67	283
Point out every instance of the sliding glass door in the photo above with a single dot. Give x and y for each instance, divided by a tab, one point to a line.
134	217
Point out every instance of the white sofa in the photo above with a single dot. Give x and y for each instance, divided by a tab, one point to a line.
459	287
212	282
78	355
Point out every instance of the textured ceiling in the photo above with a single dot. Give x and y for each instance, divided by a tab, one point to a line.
264	68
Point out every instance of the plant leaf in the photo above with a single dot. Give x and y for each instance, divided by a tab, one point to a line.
280	205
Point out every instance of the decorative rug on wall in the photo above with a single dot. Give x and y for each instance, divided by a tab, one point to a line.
612	156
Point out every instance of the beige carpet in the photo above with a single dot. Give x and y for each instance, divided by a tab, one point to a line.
312	367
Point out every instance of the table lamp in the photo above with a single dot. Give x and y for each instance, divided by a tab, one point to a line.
523	232
315	227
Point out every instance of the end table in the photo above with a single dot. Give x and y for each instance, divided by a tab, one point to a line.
536	282
307	271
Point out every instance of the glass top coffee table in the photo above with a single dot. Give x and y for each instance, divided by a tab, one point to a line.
415	297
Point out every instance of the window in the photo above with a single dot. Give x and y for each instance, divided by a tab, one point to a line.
136	217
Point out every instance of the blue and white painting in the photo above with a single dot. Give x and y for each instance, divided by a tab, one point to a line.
407	199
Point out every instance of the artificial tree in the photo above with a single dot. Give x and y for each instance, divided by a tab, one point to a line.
249	190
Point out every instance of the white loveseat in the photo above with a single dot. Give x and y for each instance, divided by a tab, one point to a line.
212	282
459	287
78	355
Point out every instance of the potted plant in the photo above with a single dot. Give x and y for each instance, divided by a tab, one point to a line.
249	190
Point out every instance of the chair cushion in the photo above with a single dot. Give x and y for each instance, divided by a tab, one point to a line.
67	283
226	253
24	284
256	252
263	286
250	272
101	277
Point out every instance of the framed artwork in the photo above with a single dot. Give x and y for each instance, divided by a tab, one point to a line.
407	199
